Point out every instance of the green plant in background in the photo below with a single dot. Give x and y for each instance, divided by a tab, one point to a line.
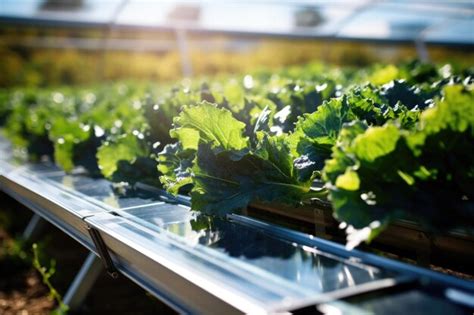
378	174
46	274
15	255
291	136
14	251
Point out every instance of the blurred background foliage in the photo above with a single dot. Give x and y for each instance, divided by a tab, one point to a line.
23	63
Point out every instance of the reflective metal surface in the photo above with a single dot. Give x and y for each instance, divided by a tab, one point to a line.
101	192
416	301
309	269
200	263
247	264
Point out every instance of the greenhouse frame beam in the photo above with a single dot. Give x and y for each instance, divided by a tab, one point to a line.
299	35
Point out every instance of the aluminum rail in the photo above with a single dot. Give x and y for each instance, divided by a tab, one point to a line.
201	264
189	277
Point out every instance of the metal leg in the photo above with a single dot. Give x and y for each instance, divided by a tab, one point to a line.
422	50
34	227
83	282
184	52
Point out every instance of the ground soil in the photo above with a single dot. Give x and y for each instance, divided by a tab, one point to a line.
22	291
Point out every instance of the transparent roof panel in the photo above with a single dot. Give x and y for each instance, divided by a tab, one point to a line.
453	31
144	13
282	17
14	8
445	21
84	11
437	21
380	22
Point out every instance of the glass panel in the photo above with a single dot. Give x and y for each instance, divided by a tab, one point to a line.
389	22
453	31
283	17
15	8
237	254
84	11
84	184
391	19
36	183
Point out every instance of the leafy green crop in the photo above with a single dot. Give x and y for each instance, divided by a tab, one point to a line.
125	148
228	172
424	174
223	183
175	164
315	134
389	141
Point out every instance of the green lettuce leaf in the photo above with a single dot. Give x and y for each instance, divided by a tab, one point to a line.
126	147
207	123
174	163
426	173
315	134
223	184
65	134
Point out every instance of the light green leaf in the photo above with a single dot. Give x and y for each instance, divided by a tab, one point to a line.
125	148
376	142
348	181
216	126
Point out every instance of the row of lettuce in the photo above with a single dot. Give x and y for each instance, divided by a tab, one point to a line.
379	144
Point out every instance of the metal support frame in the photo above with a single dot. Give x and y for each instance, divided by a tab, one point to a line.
106	34
34	227
148	258
420	41
83	282
183	47
85	278
422	50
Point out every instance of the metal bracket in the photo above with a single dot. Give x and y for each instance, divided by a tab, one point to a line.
103	252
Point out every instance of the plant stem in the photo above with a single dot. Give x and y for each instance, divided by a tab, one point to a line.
46	274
